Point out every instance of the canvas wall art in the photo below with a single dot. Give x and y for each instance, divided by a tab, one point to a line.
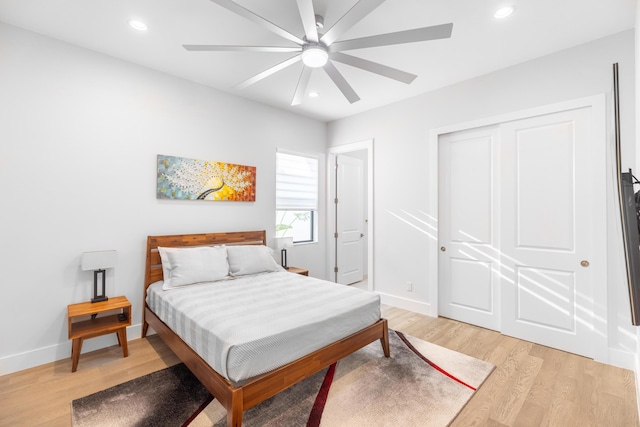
192	179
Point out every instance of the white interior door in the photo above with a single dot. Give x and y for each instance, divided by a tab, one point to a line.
547	224
468	232
349	220
518	219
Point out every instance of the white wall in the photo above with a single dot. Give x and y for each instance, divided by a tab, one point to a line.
406	214
79	135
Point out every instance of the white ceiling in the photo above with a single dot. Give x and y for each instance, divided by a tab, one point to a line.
479	43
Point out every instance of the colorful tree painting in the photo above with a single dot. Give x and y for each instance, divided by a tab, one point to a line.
192	179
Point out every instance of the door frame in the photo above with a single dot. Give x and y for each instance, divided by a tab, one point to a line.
331	216
597	103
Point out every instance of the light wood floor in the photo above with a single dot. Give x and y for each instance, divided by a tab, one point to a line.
531	386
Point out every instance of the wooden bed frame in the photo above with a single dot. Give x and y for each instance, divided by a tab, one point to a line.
237	399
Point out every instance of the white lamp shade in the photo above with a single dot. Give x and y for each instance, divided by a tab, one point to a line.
284	242
99	260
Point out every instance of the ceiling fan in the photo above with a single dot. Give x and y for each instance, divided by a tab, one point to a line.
318	49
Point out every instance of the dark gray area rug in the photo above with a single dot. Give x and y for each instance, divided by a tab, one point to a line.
421	384
164	398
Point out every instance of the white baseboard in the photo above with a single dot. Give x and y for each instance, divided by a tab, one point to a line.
405	304
622	359
52	353
637	377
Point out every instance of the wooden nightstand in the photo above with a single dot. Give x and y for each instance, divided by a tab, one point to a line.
85	323
297	270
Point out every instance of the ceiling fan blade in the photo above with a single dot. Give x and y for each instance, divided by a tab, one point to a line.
374	67
246	13
409	36
308	17
340	81
268	72
361	9
223	48
301	88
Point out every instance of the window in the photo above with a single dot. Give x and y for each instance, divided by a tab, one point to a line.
296	196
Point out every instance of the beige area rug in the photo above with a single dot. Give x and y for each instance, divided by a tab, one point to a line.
421	384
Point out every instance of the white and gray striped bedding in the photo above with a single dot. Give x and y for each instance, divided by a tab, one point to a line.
250	325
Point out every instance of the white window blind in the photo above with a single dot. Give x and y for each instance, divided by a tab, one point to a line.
296	182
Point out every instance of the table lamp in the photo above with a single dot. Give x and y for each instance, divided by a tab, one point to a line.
284	243
98	261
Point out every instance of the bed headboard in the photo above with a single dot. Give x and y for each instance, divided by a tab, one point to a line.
153	268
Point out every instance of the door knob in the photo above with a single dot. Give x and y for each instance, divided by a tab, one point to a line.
443	249
584	263
361	235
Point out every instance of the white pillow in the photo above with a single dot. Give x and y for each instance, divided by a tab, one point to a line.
251	260
186	266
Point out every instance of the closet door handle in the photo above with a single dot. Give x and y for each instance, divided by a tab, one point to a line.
443	249
584	263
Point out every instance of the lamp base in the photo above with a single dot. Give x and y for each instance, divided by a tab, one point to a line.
101	296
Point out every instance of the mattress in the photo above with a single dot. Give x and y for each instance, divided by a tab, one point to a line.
247	326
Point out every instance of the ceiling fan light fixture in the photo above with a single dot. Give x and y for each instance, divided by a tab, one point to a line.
503	12
314	56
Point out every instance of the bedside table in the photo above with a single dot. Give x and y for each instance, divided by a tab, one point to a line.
116	319
297	270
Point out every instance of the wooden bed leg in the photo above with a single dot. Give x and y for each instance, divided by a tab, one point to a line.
234	412
145	328
385	339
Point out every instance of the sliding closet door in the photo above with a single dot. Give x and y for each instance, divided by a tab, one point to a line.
468	227
548	230
522	228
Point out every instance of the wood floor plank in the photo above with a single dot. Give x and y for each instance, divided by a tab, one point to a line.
532	385
530	415
514	397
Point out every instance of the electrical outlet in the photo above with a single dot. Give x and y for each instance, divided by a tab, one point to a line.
409	287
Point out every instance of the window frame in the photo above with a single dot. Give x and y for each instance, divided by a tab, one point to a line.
304	206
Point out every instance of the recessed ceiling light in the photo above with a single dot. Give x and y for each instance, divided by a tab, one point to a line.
138	25
504	12
314	94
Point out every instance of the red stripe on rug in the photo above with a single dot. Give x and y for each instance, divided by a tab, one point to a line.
197	412
321	399
433	365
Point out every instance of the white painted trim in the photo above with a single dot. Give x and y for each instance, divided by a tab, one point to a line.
331	220
597	103
599	211
406	304
636	371
49	354
587	101
434	246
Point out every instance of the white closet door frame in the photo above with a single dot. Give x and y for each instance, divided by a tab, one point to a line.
331	252
597	104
